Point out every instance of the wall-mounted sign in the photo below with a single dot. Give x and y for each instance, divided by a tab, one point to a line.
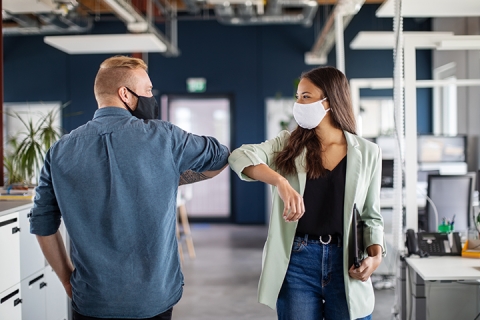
196	84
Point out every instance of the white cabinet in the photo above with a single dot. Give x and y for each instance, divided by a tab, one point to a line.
31	256
34	297
10	304
43	297
9	251
56	299
29	288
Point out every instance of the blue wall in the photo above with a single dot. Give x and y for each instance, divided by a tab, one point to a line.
250	62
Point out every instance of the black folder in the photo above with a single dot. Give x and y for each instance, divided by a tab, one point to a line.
358	247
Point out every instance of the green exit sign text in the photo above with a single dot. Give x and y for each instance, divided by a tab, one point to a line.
196	84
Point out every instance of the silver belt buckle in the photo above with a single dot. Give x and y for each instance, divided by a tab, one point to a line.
329	240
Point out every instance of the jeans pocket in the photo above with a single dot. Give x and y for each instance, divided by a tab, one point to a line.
298	246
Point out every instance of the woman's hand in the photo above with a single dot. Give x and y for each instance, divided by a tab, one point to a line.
292	200
368	265
293	206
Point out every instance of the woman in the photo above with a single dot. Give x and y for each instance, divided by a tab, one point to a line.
318	172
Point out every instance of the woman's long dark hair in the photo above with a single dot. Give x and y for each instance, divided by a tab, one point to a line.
334	85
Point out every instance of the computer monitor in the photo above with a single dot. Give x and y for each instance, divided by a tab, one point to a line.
441	148
452	196
422	175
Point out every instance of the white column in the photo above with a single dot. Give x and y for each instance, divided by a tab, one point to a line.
339	45
410	134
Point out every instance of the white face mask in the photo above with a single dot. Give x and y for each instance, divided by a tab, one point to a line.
309	116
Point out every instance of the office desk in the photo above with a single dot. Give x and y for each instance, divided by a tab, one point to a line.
443	288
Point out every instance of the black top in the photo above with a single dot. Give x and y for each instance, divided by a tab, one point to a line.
323	198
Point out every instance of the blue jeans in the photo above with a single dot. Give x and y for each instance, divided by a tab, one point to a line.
313	287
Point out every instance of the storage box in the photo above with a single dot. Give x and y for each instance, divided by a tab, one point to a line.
471	249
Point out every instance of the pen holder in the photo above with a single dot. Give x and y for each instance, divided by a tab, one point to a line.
445	228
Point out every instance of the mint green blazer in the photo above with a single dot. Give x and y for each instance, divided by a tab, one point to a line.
362	186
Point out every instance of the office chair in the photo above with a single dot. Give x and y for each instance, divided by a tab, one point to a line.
452	196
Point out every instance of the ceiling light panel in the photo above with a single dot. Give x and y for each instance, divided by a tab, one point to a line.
106	43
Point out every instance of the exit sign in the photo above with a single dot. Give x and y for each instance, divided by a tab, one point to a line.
196	84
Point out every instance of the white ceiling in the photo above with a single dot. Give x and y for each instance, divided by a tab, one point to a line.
432	8
106	43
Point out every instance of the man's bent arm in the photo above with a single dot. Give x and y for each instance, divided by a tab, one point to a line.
190	176
54	251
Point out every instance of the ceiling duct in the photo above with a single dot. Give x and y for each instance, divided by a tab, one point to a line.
137	23
24	20
325	41
42	17
192	6
278	12
48	29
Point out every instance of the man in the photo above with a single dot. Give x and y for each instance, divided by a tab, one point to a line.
114	182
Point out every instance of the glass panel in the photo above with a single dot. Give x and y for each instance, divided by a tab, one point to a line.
209	117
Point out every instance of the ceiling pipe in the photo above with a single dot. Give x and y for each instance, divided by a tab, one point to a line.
74	24
226	15
24	20
246	10
274	8
192	6
325	41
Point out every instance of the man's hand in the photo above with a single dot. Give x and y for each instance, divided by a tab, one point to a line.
368	265
293	206
68	289
54	251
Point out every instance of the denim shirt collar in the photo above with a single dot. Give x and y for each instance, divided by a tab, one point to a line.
111	111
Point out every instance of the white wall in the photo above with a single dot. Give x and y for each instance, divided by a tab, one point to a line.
468	67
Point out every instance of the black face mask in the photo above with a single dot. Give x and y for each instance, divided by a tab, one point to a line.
147	107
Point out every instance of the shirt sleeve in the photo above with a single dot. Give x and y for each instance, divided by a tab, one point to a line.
255	154
197	153
45	214
373	231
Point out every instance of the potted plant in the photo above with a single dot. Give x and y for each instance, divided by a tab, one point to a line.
25	151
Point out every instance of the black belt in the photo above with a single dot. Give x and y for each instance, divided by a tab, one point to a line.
326	239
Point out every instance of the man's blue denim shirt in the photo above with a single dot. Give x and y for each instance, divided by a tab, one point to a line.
114	182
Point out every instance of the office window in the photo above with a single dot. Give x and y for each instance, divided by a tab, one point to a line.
376	117
445	101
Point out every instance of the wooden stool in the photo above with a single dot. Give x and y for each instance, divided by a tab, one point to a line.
183	229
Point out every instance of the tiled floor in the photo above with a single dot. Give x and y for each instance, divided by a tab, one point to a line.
221	283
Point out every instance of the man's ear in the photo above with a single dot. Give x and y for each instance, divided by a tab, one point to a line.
123	94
